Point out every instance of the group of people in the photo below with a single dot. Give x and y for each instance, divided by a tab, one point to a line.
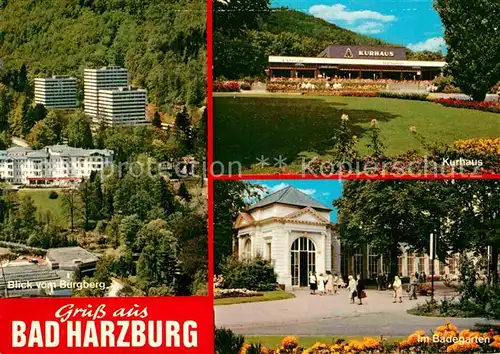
330	283
325	284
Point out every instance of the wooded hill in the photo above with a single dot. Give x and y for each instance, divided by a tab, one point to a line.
162	43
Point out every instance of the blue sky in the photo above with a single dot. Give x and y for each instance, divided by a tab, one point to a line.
324	191
412	23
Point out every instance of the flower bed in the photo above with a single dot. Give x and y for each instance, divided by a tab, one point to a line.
225	293
446	338
487	106
324	87
226	86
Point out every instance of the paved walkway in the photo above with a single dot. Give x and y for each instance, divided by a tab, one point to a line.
330	315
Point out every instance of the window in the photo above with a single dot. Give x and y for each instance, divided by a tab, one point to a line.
400	265
421	265
269	251
411	265
247	249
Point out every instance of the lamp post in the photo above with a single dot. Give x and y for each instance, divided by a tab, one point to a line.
432	248
432	254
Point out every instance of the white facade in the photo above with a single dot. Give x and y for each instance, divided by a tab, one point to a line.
122	106
296	238
53	165
97	79
56	92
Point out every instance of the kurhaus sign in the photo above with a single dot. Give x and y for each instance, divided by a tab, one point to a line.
363	52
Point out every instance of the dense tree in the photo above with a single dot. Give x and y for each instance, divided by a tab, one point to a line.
389	214
156	120
229	199
129	228
71	204
78	131
41	135
158	264
472	35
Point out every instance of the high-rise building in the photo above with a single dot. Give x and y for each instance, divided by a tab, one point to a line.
97	79
110	100
56	92
122	106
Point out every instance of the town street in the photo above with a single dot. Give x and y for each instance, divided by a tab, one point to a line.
330	315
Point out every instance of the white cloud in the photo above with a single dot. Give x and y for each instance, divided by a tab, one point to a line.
433	44
325	194
339	12
369	28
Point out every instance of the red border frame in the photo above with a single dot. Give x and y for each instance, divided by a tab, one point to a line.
293	176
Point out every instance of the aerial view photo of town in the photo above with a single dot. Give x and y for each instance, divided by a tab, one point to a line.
102	135
307	87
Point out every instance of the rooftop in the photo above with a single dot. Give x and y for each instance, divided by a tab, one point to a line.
66	256
290	196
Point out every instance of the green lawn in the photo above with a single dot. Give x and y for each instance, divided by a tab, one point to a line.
268	296
308	341
247	127
43	203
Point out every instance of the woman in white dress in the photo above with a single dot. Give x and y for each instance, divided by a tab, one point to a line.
397	287
321	284
352	288
330	284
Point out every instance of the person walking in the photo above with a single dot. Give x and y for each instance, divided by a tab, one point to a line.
351	287
330	283
313	284
360	289
337	283
321	284
413	287
397	287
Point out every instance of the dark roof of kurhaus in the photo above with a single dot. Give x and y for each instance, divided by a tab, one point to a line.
290	196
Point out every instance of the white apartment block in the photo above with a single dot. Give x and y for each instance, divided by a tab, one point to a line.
56	91
53	165
123	106
109	99
97	79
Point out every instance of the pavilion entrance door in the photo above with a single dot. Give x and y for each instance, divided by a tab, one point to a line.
303	261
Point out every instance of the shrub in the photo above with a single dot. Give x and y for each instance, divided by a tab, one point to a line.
255	274
228	86
225	293
53	195
405	96
245	86
226	342
487	106
200	283
442	81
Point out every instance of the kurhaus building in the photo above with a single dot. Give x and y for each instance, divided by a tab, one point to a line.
355	62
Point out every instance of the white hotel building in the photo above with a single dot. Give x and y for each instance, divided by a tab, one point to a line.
53	165
109	99
56	91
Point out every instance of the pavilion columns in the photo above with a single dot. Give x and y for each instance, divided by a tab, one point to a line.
401	75
360	75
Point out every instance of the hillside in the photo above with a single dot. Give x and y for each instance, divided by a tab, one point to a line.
162	43
287	20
